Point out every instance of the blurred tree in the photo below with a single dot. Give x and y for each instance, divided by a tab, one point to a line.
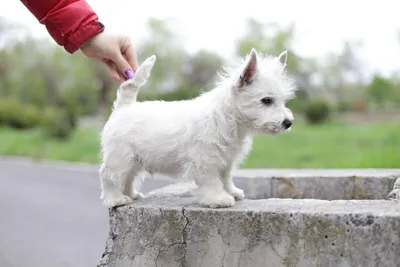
351	60
200	70
165	44
253	38
40	73
199	73
342	71
5	39
106	90
272	39
380	91
176	74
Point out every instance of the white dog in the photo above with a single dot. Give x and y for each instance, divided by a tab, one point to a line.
202	139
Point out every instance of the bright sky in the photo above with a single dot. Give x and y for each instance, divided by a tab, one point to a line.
214	24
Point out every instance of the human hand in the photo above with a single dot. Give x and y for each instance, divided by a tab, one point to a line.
116	52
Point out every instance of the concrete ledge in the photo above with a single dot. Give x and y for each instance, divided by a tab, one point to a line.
303	184
395	193
172	232
317	184
168	228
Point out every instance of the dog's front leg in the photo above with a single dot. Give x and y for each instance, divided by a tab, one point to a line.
212	193
230	187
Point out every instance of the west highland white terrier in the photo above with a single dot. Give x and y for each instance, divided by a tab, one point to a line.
202	139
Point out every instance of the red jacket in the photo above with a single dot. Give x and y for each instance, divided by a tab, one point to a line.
69	22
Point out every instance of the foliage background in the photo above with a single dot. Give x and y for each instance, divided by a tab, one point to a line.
52	104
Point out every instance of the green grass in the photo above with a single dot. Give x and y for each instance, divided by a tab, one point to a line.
82	147
332	145
329	146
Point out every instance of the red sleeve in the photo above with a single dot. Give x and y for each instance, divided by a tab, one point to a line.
69	22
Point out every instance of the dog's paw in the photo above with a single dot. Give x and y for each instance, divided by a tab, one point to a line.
237	193
136	195
121	200
222	200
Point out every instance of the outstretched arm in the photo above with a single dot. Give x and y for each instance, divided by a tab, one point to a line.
69	22
74	25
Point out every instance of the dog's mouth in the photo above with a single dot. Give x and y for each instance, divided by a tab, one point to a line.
273	131
274	128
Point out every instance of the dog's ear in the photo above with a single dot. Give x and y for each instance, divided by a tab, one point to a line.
249	70
283	58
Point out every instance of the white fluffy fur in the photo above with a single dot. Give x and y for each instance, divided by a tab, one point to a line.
201	139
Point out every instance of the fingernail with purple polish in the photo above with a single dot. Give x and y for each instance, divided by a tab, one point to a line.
129	74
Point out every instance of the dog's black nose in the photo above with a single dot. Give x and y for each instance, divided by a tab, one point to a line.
286	123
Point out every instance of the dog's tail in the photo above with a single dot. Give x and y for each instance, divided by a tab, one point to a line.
128	91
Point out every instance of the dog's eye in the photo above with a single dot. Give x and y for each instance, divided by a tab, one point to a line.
267	101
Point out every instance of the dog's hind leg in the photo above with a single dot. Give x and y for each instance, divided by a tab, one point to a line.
131	189
117	174
113	185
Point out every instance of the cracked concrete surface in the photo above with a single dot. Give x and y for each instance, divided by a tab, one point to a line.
395	193
169	229
173	232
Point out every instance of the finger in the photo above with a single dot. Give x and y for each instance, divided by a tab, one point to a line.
112	69
123	65
121	77
115	76
129	52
